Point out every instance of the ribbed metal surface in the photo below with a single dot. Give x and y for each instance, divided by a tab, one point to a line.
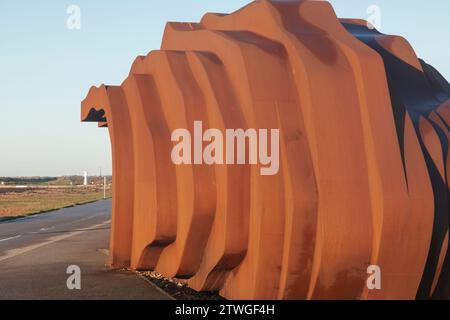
363	177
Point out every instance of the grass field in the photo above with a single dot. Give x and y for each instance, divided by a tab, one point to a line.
26	201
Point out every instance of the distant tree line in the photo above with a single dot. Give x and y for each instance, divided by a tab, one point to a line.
26	180
54	181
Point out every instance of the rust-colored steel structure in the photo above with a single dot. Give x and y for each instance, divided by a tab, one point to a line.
364	158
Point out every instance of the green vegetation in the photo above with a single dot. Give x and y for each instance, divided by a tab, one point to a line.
24	202
53	181
26	180
31	195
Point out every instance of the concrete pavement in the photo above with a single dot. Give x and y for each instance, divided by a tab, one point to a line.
36	251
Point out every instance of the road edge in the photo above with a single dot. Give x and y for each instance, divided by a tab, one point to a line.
154	286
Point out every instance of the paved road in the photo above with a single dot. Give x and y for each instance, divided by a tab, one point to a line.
36	251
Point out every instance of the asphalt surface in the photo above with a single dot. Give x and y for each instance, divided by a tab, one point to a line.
36	251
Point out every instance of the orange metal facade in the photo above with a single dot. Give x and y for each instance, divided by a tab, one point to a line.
363	180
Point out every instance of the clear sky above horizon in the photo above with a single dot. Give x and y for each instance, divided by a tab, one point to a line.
46	69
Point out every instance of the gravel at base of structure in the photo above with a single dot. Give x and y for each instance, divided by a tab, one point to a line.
178	288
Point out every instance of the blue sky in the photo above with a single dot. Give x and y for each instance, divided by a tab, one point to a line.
46	69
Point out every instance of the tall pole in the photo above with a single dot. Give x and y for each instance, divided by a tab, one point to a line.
104	187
